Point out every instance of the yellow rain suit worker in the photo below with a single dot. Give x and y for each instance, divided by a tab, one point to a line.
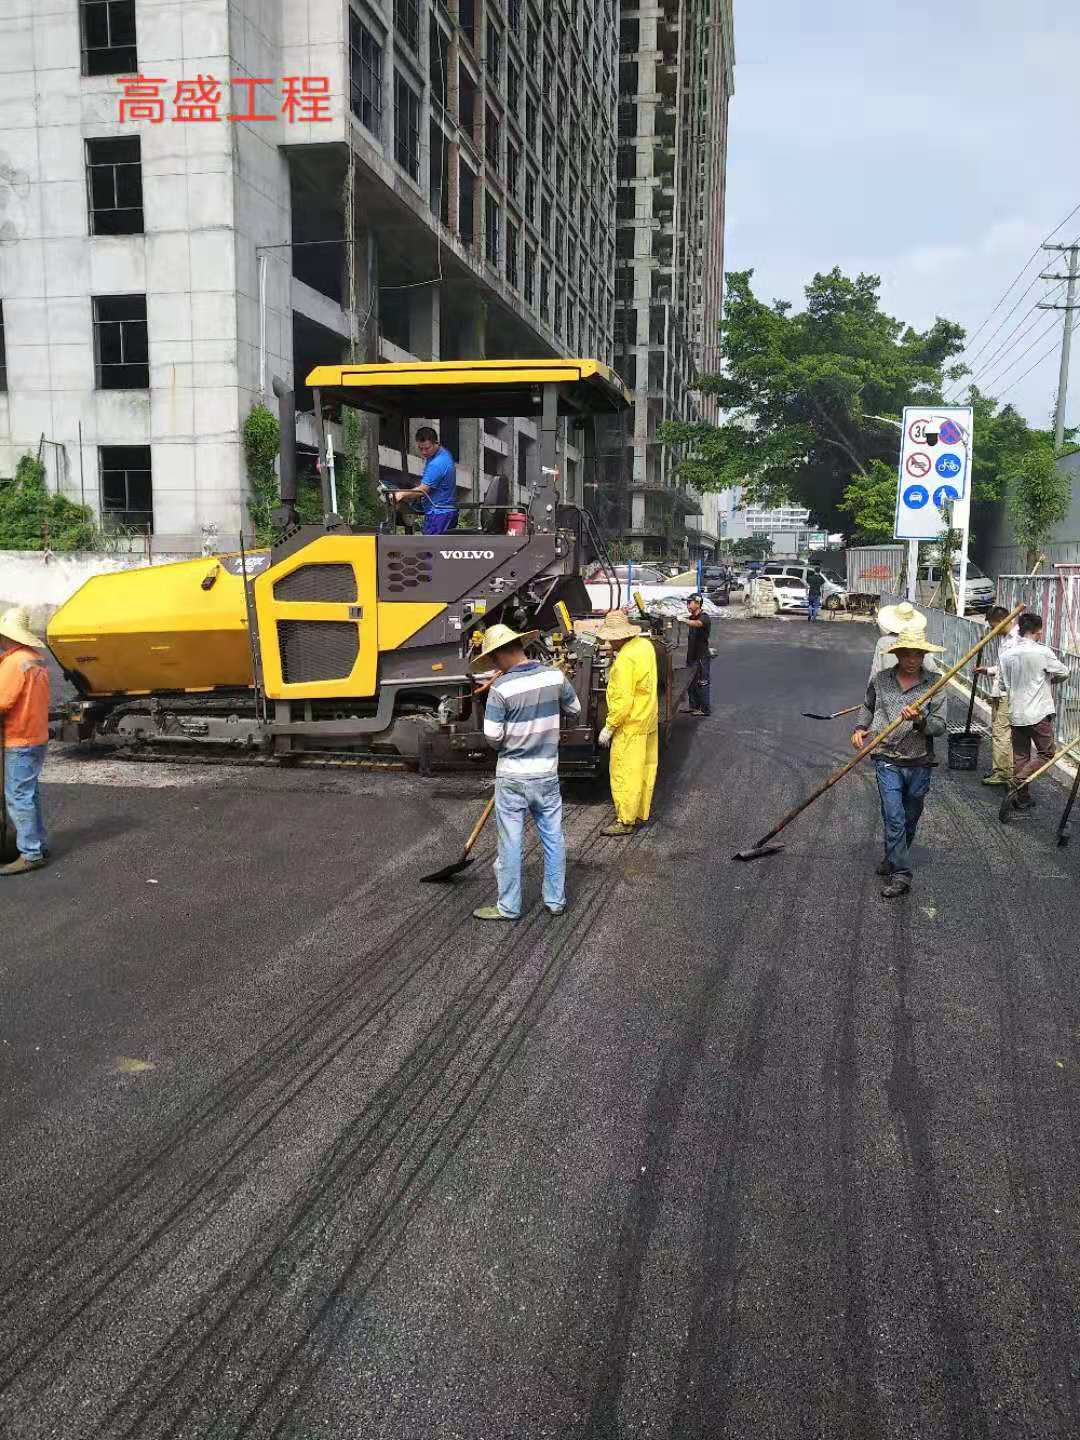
632	721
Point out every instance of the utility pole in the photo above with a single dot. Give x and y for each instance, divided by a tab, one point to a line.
1073	252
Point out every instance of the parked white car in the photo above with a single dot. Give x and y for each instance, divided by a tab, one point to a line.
978	589
833	589
791	593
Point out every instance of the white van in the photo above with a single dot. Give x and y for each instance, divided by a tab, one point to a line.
978	591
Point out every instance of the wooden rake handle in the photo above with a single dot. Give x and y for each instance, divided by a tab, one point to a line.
939	684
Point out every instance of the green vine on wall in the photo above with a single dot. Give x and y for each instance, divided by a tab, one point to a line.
262	438
33	519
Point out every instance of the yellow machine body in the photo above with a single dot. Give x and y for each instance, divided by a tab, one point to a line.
328	649
139	631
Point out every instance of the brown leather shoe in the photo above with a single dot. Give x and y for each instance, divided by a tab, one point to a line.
23	866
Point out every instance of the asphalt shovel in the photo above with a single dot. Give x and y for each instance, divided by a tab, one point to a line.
9	851
447	873
850	710
766	845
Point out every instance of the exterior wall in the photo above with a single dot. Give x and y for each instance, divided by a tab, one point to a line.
995	546
675	84
229	294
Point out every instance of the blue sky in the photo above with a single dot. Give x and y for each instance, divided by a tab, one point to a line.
932	144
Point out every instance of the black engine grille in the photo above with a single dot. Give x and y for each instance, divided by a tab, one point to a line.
317	650
332	584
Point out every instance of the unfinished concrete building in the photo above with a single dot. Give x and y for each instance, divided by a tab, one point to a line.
198	197
676	78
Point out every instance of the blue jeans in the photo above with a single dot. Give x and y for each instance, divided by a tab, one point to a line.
22	795
814	603
542	799
699	693
438	522
903	790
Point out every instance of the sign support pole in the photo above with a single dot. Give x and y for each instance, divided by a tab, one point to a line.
913	570
964	508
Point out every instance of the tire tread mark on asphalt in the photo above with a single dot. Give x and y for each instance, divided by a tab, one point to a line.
258	1274
911	1107
143	1177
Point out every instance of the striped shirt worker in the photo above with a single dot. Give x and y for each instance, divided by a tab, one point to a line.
522	720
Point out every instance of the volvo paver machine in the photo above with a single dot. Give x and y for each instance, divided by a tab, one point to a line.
339	643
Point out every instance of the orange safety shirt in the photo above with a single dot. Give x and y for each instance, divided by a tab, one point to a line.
24	697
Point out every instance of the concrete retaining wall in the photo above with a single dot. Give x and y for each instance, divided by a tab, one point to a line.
42	582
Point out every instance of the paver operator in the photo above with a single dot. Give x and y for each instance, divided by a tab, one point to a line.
632	723
24	715
904	761
438	485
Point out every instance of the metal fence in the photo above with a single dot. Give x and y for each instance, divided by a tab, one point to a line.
958	634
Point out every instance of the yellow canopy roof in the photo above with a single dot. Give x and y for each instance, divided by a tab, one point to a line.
472	388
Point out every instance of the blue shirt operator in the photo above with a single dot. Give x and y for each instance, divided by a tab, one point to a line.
438	486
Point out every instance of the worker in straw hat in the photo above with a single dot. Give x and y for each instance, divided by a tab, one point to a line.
24	717
631	728
906	758
522	720
892	619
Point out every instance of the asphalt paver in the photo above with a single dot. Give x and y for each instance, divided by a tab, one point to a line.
293	1147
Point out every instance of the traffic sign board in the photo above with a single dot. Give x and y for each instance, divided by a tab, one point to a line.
935	461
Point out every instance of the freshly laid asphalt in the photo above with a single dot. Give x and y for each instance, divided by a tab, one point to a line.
292	1147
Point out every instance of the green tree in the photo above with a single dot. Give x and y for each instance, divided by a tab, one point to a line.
33	519
752	547
799	388
1039	492
870	500
262	438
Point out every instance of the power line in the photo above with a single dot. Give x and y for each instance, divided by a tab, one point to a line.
1045	356
1013	363
1023	270
1014	337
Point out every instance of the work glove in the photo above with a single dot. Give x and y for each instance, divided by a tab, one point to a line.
604	739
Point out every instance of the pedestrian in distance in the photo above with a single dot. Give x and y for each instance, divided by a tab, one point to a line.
437	491
632	726
814	582
904	761
1001	751
24	718
522	720
893	620
1028	673
699	657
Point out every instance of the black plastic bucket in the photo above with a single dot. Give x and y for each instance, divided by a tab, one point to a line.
964	749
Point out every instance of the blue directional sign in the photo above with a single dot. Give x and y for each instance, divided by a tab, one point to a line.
949	466
916	496
943	494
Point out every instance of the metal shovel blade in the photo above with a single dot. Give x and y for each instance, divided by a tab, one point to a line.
758	852
447	873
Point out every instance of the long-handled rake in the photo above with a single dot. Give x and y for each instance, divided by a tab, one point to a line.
765	845
1008	803
1064	834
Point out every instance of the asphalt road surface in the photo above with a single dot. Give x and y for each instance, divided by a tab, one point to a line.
292	1147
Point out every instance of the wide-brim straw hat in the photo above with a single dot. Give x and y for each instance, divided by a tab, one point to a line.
15	625
915	639
904	616
495	637
617	627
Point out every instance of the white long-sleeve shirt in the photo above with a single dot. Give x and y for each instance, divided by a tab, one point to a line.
1025	674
